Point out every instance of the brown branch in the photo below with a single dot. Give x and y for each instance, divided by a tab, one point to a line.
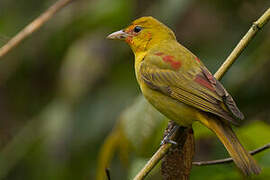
177	163
33	26
161	152
229	160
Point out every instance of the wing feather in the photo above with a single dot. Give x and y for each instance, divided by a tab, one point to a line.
209	95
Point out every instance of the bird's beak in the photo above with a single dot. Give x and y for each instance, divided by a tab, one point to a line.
120	35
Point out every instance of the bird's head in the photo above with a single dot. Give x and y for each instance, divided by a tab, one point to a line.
143	33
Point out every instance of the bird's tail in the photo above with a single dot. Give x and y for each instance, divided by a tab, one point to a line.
240	156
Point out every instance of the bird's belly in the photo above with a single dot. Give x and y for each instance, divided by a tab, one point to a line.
177	111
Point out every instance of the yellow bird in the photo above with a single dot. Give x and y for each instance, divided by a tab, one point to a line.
177	83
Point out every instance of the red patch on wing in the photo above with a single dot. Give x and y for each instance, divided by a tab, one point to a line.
159	53
204	83
197	59
169	59
210	77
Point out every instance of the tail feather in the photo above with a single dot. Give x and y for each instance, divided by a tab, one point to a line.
241	157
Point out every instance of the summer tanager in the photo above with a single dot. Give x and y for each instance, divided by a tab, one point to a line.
177	83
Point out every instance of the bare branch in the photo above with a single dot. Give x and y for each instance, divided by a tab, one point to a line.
33	26
218	75
229	160
177	163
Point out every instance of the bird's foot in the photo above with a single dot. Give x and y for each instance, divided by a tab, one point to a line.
167	139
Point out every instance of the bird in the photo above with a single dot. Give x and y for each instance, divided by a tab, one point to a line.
178	84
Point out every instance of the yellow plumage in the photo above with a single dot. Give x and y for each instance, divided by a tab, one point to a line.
177	83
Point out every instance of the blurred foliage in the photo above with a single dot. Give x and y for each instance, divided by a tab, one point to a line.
66	89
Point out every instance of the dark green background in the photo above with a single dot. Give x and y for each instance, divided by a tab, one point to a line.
63	89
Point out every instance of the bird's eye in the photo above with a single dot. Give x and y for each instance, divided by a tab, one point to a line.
137	29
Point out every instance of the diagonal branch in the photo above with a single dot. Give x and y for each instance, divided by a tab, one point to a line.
33	26
257	25
228	160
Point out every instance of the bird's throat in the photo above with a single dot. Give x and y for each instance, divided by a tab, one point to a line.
139	56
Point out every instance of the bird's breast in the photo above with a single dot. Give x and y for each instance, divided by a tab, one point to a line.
173	109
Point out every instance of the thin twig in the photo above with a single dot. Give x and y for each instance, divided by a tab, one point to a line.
33	26
229	160
218	75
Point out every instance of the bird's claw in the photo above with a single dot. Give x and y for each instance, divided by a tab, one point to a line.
167	140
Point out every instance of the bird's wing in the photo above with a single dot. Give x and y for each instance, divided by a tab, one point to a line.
194	86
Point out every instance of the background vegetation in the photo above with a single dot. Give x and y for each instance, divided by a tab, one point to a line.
63	89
